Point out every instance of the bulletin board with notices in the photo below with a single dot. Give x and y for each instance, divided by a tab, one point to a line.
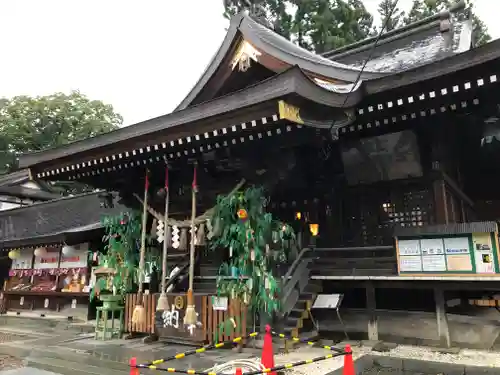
474	253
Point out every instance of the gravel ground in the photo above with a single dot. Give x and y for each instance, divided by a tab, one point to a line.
465	357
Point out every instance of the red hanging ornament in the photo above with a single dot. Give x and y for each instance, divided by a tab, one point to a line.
195	185
146	181
242	214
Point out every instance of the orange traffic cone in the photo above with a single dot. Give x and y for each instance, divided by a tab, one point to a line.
348	362
133	369
238	371
267	350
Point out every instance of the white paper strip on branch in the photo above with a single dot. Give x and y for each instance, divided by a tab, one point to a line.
210	229
200	235
219	303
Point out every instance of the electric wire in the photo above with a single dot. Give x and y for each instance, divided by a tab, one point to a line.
372	50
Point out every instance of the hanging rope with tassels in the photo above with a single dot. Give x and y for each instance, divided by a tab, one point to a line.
139	314
190	315
163	300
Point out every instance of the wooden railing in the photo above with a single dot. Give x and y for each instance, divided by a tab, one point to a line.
212	325
354	261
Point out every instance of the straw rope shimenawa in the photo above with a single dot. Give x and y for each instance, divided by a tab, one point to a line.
162	304
190	315
187	223
139	314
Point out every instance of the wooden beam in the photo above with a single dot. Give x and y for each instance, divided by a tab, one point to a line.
441	212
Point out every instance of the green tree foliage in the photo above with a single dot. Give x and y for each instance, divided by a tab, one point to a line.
30	124
425	8
256	243
317	25
122	234
390	14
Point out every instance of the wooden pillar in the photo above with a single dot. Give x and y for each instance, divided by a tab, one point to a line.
372	314
440	206
442	320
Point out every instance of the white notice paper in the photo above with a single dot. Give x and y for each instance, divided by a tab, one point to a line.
410	264
432	246
459	245
409	247
433	263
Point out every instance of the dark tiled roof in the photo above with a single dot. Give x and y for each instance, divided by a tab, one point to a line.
27	193
15	178
415	45
11	185
52	218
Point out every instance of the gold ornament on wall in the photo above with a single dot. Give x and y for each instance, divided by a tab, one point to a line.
244	56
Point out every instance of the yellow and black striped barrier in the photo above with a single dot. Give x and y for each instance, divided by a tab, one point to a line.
203	349
154	364
264	371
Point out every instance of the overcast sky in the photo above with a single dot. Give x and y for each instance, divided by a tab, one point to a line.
142	57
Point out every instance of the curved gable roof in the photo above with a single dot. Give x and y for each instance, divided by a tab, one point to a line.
268	42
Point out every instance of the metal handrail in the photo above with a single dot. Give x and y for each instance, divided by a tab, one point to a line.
296	263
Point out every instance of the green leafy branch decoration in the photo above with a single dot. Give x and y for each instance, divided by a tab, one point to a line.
256	243
120	255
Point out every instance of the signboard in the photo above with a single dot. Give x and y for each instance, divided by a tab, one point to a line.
24	261
219	303
77	259
474	253
170	323
328	301
49	260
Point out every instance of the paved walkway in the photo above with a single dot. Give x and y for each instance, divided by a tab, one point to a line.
64	342
26	371
123	350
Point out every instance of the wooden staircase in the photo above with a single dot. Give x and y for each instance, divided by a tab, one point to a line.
298	320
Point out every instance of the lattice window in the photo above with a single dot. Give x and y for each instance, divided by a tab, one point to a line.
372	212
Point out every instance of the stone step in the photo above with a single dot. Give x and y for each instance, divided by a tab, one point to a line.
68	368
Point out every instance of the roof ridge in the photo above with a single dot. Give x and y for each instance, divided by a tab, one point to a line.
38	204
400	32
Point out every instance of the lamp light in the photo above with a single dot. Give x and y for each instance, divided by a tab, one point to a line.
40	252
314	229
